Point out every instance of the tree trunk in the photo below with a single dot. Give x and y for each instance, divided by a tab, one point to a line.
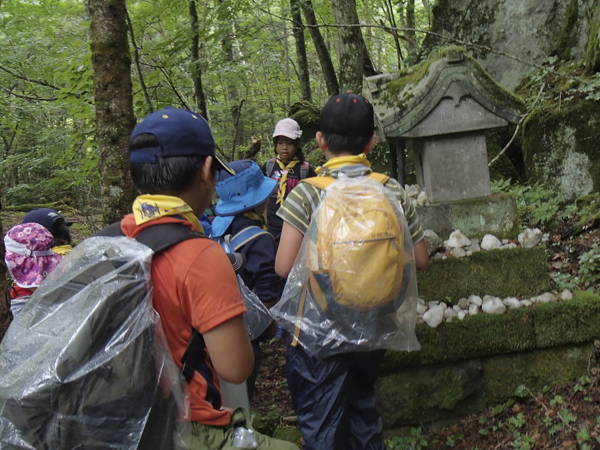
353	57
410	24
298	29
114	105
199	99
331	81
5	315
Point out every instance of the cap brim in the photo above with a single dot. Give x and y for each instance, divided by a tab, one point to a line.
220	165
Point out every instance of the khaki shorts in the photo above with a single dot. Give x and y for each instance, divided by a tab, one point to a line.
206	437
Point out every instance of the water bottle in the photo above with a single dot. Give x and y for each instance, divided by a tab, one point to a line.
243	438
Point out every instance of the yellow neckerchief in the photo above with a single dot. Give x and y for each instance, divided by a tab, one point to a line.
284	172
335	163
151	207
62	250
255	216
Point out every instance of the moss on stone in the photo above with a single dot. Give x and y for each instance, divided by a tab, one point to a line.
569	322
561	147
505	273
568	35
592	48
548	367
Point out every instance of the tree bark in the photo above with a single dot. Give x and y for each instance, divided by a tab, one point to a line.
302	60
199	98
410	24
331	80
353	57
114	105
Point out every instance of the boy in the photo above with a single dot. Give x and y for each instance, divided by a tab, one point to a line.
334	397
242	203
173	163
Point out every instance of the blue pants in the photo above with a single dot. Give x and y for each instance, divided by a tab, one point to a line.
334	399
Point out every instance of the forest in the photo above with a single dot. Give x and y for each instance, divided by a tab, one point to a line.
76	76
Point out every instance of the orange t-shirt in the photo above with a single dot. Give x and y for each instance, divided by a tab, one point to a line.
194	286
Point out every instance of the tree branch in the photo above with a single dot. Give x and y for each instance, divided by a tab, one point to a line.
27	97
523	117
31	80
136	57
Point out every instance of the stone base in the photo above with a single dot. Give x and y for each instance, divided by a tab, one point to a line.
475	217
443	393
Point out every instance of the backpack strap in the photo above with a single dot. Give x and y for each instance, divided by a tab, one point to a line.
270	166
245	236
158	237
304	170
325	181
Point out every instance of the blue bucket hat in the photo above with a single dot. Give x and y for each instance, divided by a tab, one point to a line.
179	132
241	192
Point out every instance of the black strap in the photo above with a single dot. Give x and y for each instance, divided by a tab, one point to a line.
160	237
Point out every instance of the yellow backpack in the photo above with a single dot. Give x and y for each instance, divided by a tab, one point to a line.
359	262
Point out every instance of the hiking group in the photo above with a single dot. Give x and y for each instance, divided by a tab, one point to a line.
347	241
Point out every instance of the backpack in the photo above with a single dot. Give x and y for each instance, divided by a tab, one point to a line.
85	364
353	285
270	168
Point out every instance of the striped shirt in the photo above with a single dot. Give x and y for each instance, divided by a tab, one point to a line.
298	207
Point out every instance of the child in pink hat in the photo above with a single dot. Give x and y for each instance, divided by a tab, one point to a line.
29	257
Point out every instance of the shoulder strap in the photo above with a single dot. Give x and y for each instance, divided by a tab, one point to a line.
245	236
158	237
270	166
323	182
304	170
379	177
319	182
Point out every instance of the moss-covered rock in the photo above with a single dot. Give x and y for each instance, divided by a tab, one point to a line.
568	35
561	148
548	367
515	272
592	48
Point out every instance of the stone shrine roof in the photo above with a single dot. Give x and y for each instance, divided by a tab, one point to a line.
448	93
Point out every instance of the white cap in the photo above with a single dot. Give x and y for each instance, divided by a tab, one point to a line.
288	128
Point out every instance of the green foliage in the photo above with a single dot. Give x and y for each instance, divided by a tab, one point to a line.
536	204
413	442
589	267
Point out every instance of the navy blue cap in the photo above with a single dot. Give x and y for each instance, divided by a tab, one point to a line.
348	114
46	217
179	132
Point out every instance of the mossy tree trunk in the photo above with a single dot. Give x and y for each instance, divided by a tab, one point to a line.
302	60
114	104
331	80
5	315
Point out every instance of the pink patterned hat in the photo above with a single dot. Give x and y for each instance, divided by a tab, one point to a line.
288	128
28	256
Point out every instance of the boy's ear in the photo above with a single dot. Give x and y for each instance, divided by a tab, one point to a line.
320	141
205	169
371	144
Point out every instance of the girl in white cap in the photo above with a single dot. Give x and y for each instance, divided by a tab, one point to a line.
287	168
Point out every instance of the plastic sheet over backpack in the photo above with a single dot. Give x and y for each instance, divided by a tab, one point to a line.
85	364
353	284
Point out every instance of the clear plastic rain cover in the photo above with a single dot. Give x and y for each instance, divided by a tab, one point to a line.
353	284
85	364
